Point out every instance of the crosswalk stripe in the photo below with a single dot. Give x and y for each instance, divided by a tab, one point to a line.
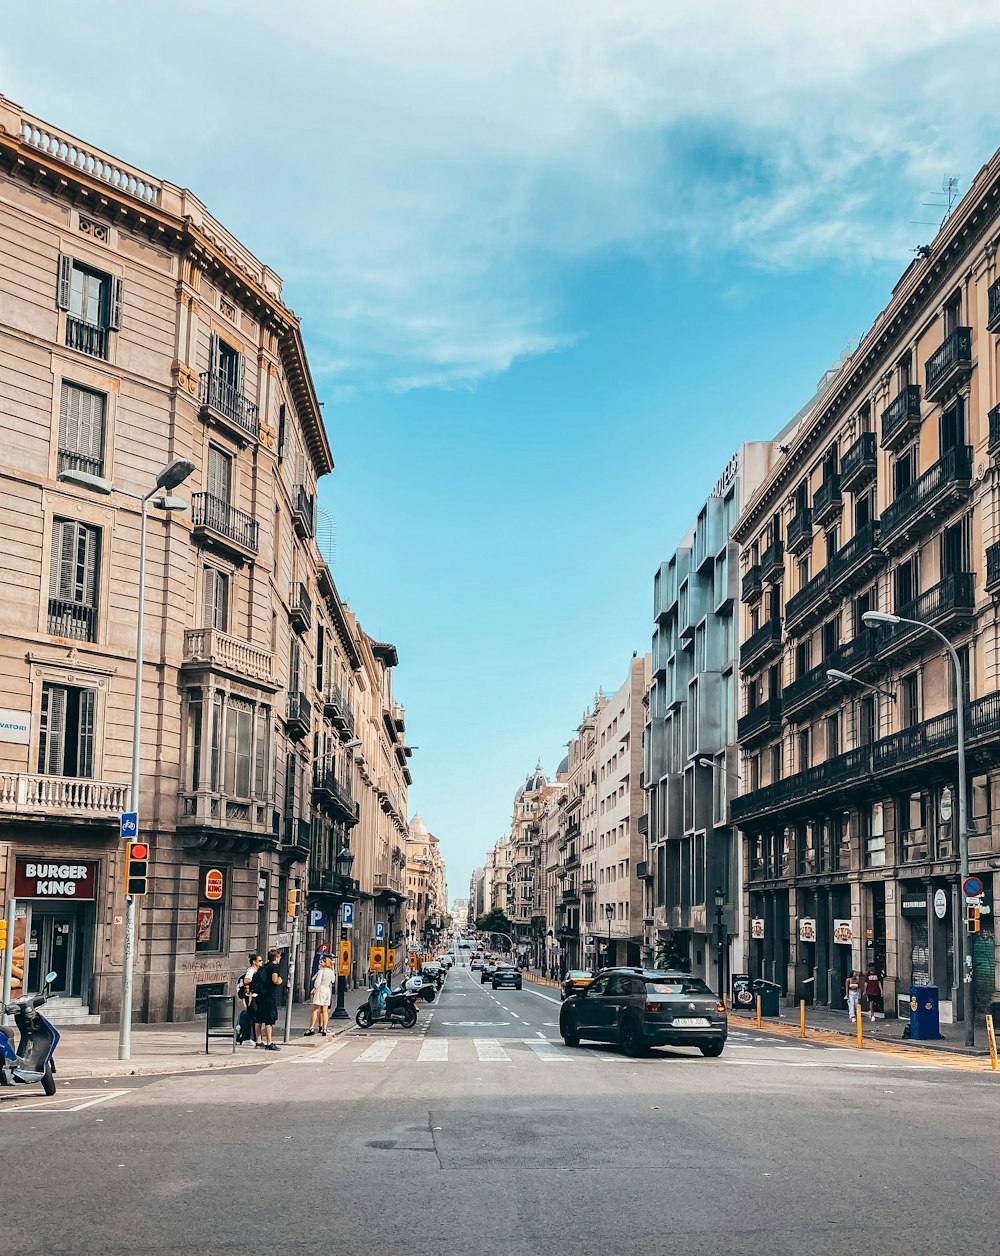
377	1053
490	1050
434	1050
544	1049
317	1057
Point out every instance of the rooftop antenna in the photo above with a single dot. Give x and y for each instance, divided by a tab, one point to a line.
949	190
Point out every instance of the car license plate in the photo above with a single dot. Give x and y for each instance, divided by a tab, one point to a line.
691	1022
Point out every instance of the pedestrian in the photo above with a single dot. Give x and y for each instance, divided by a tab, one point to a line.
245	994
852	988
872	990
322	993
265	985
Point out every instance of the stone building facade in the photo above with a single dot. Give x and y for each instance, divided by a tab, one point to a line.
135	330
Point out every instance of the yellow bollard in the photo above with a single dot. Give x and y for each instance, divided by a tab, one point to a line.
758	1011
802	1018
993	1042
861	1021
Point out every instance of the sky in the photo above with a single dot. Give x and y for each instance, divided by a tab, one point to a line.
555	260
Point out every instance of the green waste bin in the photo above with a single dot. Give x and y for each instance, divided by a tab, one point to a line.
770	997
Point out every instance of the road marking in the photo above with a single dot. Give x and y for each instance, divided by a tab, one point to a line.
489	1049
433	1049
538	995
545	1050
66	1103
317	1057
378	1052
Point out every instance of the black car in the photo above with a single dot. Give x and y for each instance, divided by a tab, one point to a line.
506	975
639	1008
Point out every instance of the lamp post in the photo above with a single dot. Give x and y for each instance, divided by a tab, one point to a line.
344	860
871	618
720	938
172	475
609	911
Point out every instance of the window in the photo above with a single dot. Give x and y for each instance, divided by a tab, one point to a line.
952	313
873	835
909	700
804	742
803	657
776	762
219	479
699	870
213	884
864	509
904	371
955	548
216	599
904	470
832	541
92	301
804	570
905	583
81	429
831	637
952	426
832	736
73	574
866	720
866	601
235	760
912	811
66	731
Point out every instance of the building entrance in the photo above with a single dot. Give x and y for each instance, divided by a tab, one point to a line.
56	942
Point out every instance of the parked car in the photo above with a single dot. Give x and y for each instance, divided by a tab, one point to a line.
639	1008
506	975
575	980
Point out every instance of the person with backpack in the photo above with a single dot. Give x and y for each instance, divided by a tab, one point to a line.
244	994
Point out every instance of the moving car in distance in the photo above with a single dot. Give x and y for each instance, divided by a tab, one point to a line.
576	979
506	975
487	971
639	1008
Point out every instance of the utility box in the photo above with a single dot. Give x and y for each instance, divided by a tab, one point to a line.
770	997
925	1016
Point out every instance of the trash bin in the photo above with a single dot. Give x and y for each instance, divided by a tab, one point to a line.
770	996
925	1021
220	1018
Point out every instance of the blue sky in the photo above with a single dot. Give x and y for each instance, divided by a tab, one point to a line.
555	260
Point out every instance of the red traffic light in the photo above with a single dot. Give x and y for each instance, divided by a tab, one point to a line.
138	850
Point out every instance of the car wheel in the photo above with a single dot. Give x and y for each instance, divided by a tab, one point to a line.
518	986
713	1048
631	1039
568	1031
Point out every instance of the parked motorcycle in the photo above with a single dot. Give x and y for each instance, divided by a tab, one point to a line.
395	1008
34	1059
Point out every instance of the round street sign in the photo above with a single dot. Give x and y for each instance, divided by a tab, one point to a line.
940	904
944	807
973	887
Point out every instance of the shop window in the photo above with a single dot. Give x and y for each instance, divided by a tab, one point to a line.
213	894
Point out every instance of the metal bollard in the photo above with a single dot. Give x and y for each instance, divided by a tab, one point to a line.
758	1011
861	1022
802	1018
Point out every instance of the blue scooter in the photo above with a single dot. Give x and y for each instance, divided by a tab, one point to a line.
34	1059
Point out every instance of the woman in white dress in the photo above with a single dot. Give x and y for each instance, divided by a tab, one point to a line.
322	995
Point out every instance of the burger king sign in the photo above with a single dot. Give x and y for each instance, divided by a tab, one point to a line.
214	884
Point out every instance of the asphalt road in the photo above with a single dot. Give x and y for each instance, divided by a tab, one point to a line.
479	1132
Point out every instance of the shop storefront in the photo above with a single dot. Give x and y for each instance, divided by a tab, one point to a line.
54	924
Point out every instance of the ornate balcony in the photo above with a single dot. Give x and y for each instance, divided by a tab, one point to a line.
752	586
993	568
333	794
951	601
810	601
859	465
300	607
72	620
761	645
303	512
86	337
222	526
937	492
857	558
210	650
226	407
901	419
800	532
588	885
948	365
804	691
296	838
36	796
337	710
828	501
761	721
772	563
299	718
993	317
216	821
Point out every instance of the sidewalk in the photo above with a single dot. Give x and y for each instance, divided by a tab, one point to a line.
824	1023
92	1050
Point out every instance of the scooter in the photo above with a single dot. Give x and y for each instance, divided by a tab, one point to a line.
395	1008
34	1059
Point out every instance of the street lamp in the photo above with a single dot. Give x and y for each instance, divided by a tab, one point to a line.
169	477
720	938
609	911
871	619
834	673
343	862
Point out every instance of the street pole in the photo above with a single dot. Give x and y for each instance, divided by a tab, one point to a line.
340	1012
8	961
293	952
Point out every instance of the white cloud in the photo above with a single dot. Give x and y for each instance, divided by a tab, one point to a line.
425	175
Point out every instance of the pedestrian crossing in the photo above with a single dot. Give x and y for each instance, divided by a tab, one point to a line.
356	1049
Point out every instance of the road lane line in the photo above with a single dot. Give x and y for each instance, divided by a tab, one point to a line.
538	995
64	1102
433	1050
377	1053
489	1049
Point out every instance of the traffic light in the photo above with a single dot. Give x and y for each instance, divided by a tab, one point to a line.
972	917
136	867
293	903
3	936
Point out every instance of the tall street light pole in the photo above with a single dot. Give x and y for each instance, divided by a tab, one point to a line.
872	618
609	911
720	939
172	475
344	861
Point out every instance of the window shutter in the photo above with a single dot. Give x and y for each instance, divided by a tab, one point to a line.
281	432
115	304
64	282
92	408
89	550
213	353
218	474
52	743
208	598
85	734
69	417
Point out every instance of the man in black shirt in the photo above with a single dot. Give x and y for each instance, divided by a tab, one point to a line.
265	987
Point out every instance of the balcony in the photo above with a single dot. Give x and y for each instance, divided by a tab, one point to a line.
859	465
329	883
72	620
40	797
645	870
937	492
385	881
800	532
994	445
588	885
569	894
949	365
761	721
223	527
303	512
572	860
761	645
333	795
752	586
993	316
300	607
902	418
947	603
86	337
810	601
211	650
299	717
337	710
772	563
296	838
804	691
857	558
642	824
828	502
224	405
993	568
232	824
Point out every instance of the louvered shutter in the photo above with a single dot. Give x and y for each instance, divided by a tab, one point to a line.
87	550
64	282
293	667
115	304
52	746
61	572
85	734
219	468
92	410
208	598
69	418
214	363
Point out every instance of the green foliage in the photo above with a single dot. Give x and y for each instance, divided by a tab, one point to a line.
495	921
671	956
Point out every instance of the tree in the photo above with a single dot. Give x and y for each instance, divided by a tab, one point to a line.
495	921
